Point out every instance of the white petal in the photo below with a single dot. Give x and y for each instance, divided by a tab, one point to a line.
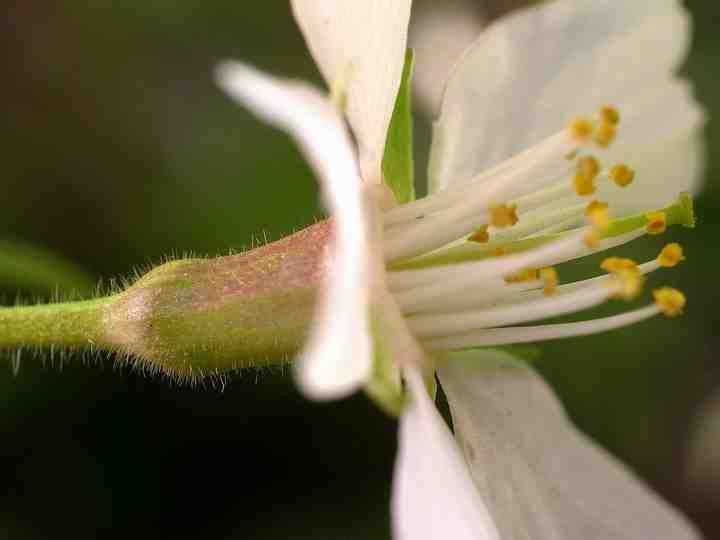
532	72
439	33
543	479
337	358
359	46
433	495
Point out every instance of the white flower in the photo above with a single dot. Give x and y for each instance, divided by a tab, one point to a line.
502	152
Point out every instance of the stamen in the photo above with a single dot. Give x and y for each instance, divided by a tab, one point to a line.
620	231
439	281
604	134
549	276
671	255
629	282
616	264
584	180
622	175
584	185
481	235
444	324
670	301
581	128
609	115
656	222
588	166
536	291
503	215
512	178
532	224
598	215
492	292
528	334
531	274
488	293
591	239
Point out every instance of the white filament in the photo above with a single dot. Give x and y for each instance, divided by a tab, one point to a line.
527	334
445	324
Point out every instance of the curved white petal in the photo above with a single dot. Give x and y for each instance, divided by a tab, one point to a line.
337	358
532	72
543	479
359	47
433	495
439	34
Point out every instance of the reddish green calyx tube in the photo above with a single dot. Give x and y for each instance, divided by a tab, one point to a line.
193	317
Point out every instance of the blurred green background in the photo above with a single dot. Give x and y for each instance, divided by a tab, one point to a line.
117	149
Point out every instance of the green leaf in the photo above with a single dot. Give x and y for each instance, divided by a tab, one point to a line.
28	267
398	167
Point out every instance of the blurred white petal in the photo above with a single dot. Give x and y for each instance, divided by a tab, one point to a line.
360	46
433	495
337	358
541	478
439	33
703	459
533	71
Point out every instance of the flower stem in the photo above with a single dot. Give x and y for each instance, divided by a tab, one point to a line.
71	324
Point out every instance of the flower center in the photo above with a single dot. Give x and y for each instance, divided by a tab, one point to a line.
468	262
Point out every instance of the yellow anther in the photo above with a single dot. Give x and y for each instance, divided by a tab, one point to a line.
604	134
531	274
503	215
499	251
481	235
584	185
598	215
591	239
629	282
571	155
616	264
600	219
581	128
595	206
609	115
656	222
549	277
584	180
622	175
588	166
671	255
670	301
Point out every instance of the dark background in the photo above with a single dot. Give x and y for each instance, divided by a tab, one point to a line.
116	149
